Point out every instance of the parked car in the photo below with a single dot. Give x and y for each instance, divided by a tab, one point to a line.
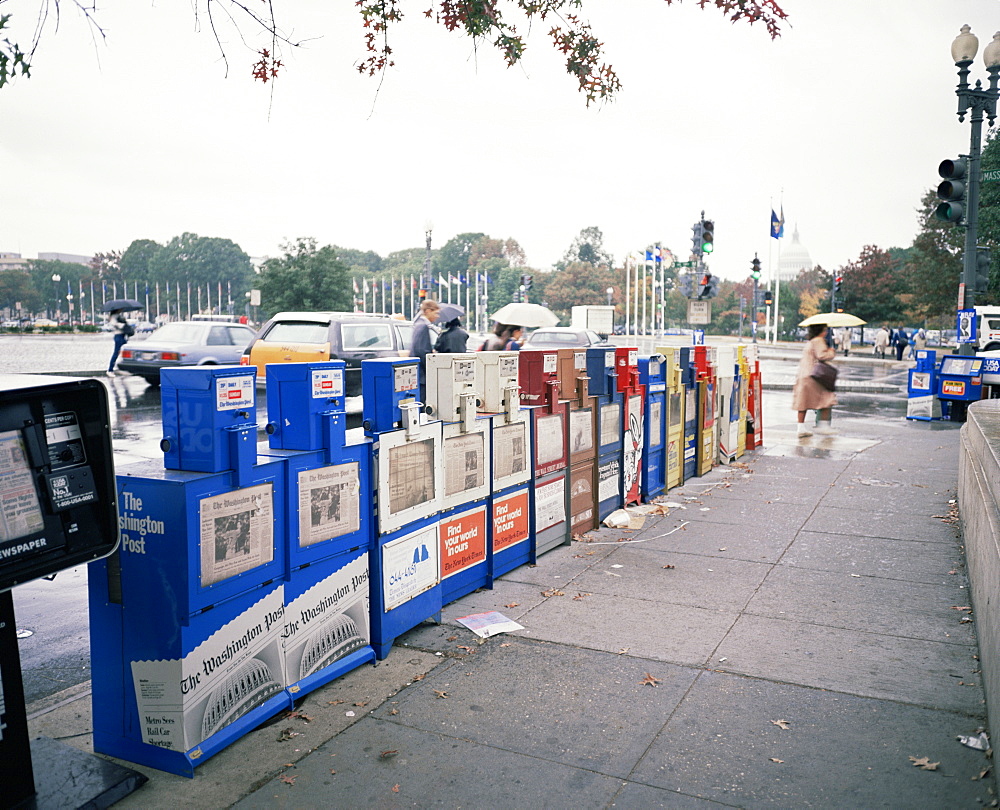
563	337
185	343
44	323
295	337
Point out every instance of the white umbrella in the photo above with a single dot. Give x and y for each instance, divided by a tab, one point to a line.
834	319
522	314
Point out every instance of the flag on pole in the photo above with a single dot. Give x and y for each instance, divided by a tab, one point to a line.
778	225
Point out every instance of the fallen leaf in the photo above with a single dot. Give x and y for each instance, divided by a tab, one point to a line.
419	677
505	644
300	716
779	761
982	775
781	724
440	693
334	702
581	596
395	788
670	566
624	650
553	592
452	638
332	770
966	608
467	649
512	605
924	763
388	754
361	704
394	711
287	734
649	680
289	780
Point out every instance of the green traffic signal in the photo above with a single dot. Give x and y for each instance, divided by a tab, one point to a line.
755	272
707	236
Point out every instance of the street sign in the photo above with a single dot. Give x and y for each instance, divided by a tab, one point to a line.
991	175
684	264
699	311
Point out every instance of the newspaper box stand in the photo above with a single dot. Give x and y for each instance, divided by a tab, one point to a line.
539	383
653	376
510	469
755	416
921	391
603	383
692	403
187	617
408	482
453	395
991	374
329	527
728	404
960	382
674	406
705	380
743	376
582	485
627	365
57	491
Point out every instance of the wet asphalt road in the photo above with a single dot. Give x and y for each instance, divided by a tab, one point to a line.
52	615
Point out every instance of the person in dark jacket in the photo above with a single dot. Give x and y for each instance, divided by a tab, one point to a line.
453	339
900	340
424	336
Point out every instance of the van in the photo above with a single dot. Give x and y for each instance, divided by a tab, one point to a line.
297	337
988	328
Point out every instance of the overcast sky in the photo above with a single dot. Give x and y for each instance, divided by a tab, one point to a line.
842	120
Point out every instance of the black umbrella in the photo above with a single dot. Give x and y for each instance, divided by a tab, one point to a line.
448	312
122	305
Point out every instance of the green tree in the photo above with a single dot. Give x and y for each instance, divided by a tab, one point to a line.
305	278
200	260
587	247
359	262
497	23
136	261
873	286
577	284
16	287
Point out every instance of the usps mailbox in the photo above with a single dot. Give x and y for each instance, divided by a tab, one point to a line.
627	364
603	383
57	491
653	376
454	395
329	528
510	462
408	482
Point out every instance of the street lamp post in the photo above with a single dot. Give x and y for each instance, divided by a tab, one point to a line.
56	278
981	101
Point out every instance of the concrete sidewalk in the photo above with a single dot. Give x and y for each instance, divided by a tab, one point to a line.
794	633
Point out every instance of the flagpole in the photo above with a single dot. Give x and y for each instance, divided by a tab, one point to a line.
628	290
777	277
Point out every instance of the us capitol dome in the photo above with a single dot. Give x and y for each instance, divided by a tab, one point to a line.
794	257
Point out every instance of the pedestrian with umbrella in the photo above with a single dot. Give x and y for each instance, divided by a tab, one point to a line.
120	327
454	338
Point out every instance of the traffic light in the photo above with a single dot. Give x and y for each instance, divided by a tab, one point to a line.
768	298
705	285
526	281
951	190
981	283
697	242
707	236
755	272
836	284
687	285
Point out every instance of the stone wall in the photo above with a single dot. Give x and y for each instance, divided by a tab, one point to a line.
979	504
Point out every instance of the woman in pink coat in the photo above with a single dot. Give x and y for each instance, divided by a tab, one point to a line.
809	395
